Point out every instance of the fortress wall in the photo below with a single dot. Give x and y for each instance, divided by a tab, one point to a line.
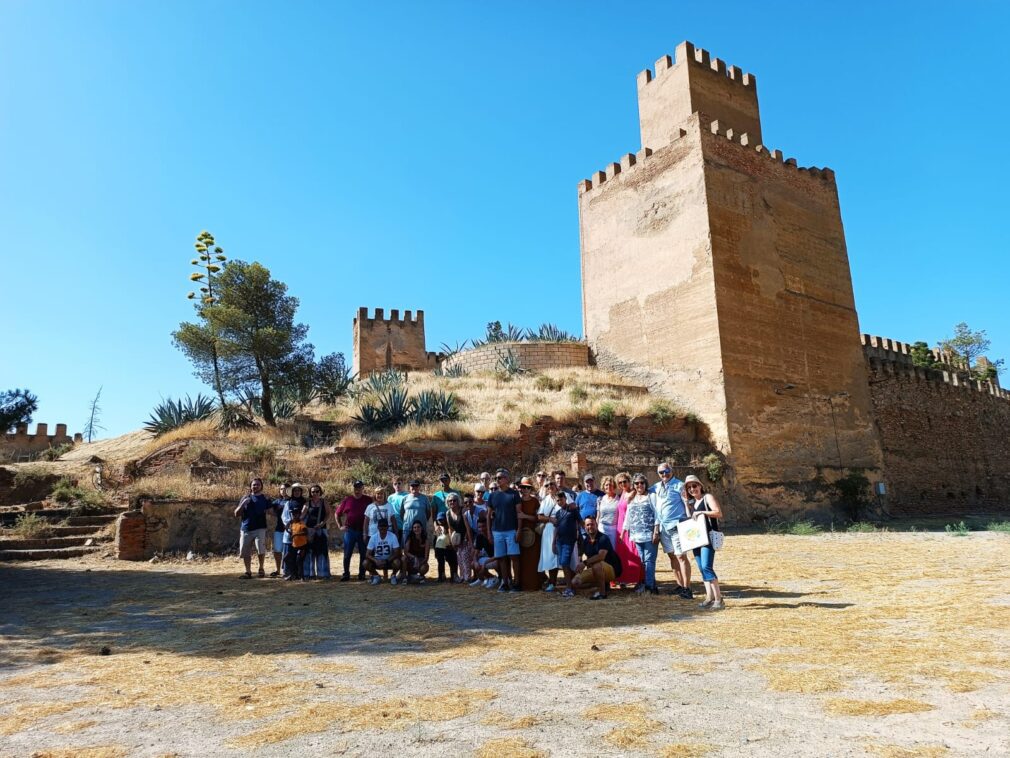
23	443
799	411
946	442
532	356
648	292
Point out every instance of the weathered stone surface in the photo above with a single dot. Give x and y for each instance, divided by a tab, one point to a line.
531	356
381	343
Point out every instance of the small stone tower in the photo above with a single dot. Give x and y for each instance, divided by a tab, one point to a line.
381	343
717	271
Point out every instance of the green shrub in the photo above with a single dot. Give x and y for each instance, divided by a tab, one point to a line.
853	491
998	526
549	384
66	491
171	414
861	526
606	413
508	365
259	453
31	526
578	394
714	467
30	476
959	529
54	453
792	526
361	471
279	475
662	411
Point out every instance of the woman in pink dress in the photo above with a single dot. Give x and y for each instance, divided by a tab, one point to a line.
631	564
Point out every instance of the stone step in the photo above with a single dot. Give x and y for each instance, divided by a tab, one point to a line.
44	543
49	514
99	520
46	554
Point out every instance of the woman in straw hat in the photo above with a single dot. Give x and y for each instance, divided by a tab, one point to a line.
529	540
702	505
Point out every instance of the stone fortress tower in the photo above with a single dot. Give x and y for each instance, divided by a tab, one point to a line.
717	272
380	343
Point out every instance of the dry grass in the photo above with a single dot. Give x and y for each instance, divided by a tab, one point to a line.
103	751
195	430
508	747
849	707
76	726
897	751
685	750
840	623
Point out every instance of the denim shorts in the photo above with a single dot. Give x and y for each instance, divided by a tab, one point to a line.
565	555
670	540
278	542
505	544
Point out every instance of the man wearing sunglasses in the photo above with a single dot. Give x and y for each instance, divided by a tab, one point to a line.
670	510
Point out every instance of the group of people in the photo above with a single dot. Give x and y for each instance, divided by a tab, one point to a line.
503	535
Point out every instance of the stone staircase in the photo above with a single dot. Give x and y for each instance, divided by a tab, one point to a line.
72	536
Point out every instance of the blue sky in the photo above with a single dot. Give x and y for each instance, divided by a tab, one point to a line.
425	156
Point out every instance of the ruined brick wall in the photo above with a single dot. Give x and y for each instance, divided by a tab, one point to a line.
22	443
531	356
945	439
381	343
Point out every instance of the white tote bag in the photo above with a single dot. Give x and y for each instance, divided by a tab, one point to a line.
693	533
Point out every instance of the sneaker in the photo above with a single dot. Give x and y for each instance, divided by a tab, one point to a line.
598	596
549	588
490	583
515	588
568	593
345	578
394	581
706	604
640	589
274	574
688	594
476	583
246	575
503	587
261	573
653	591
422	580
717	605
376	580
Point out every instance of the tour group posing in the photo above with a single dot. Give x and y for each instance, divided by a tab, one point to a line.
502	535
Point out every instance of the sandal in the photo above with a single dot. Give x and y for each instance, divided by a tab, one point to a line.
246	575
261	574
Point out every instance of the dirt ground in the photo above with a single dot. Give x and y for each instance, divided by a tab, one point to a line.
877	644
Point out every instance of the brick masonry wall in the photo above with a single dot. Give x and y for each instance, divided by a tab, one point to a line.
946	446
130	536
532	356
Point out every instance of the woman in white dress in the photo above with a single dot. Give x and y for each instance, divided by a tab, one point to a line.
547	516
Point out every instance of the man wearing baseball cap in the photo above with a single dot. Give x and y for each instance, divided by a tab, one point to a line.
587	499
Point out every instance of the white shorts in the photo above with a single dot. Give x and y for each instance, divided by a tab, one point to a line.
246	541
670	540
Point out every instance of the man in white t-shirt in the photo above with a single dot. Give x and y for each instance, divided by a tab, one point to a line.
383	553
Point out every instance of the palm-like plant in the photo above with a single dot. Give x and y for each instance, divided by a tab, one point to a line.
171	414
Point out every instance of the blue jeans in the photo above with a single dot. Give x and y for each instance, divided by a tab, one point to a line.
352	538
317	561
705	558
647	552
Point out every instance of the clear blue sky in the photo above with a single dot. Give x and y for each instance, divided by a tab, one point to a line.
425	155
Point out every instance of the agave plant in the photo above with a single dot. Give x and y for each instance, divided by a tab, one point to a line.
233	416
508	364
171	414
391	408
431	406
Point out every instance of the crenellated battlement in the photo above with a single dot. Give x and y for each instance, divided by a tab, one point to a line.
409	319
894	358
747	142
686	52
20	442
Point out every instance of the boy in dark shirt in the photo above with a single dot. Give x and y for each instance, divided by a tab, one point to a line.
566	535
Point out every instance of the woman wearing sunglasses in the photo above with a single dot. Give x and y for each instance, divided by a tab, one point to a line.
700	504
642	527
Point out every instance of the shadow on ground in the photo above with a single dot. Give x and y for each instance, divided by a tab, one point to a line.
50	612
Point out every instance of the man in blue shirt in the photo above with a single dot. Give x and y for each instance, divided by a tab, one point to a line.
588	498
670	510
503	524
253	510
